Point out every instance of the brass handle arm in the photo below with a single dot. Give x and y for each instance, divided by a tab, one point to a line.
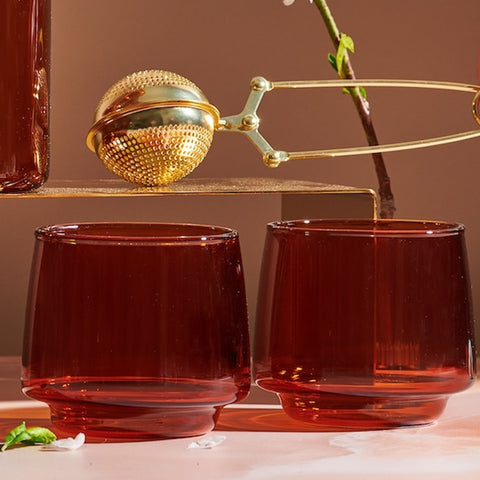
248	122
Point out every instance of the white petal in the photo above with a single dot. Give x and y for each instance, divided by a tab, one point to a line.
66	443
208	442
288	2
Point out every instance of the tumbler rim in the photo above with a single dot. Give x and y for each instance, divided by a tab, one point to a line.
369	227
134	232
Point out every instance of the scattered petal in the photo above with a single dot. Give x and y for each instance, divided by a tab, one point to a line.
208	442
65	444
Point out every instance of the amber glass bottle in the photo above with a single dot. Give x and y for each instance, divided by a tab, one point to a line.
24	94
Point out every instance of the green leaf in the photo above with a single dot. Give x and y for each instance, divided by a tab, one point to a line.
347	42
363	92
41	435
345	45
332	59
14	436
28	436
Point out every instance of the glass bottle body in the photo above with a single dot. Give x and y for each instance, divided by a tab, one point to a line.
24	94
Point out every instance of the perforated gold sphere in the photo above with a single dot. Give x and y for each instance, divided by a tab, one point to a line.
153	127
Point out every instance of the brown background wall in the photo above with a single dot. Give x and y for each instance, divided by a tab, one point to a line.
221	45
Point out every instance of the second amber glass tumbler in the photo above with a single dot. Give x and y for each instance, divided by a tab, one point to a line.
136	331
364	324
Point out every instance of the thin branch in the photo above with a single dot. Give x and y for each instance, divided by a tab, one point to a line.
387	202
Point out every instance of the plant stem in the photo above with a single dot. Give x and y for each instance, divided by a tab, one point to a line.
387	202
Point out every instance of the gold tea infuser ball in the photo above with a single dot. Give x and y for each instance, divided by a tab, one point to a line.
154	127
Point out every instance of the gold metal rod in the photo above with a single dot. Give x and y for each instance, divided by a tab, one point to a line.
273	158
394	147
437	85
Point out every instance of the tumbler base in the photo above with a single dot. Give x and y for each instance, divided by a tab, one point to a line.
353	412
127	424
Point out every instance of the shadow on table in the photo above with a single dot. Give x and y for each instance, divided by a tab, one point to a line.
264	419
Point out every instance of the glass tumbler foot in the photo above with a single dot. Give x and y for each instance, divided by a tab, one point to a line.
120	423
354	412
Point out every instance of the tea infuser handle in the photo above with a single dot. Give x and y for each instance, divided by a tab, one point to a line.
248	122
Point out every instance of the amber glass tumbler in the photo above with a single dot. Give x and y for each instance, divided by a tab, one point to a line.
136	331
364	324
24	94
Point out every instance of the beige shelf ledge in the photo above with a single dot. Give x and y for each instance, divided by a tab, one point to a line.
298	198
197	186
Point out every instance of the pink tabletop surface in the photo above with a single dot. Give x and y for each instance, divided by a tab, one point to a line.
260	443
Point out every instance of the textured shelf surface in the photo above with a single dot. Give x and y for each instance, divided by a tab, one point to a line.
209	186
